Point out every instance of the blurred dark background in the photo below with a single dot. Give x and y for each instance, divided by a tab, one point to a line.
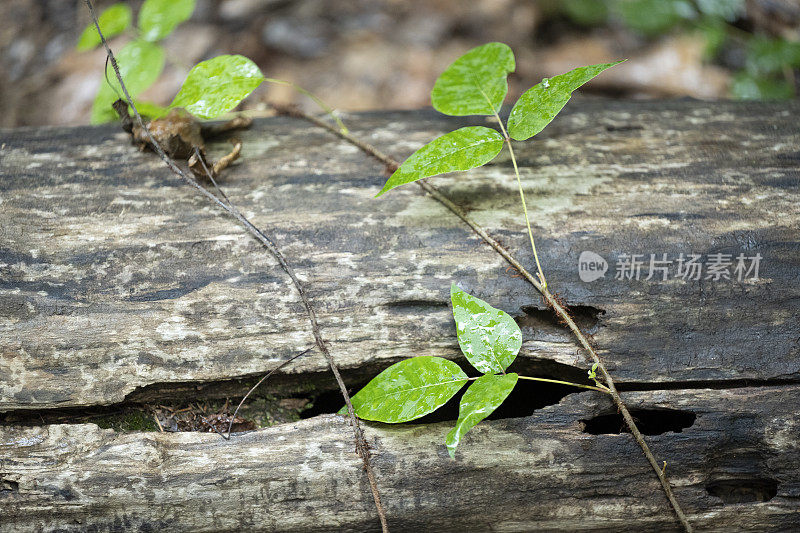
376	54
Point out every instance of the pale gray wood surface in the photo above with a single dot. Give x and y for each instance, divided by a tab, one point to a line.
116	276
534	473
117	281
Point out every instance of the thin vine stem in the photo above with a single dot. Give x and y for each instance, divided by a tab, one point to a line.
522	199
546	380
571	384
362	448
392	165
325	107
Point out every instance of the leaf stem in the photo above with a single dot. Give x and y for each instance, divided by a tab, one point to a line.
571	384
599	388
522	199
325	107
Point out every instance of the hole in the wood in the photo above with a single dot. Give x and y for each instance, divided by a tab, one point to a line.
585	316
8	485
649	421
743	490
527	397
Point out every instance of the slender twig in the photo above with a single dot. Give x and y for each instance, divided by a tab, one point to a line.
571	384
362	447
392	165
160	427
210	176
254	387
325	107
529	378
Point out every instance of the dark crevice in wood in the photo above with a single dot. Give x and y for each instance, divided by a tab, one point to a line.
413	305
67	415
649	421
586	316
526	398
743	490
718	384
325	398
7	485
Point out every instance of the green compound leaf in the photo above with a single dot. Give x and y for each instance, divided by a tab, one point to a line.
408	390
480	400
113	21
158	18
489	337
462	149
475	84
140	64
218	85
540	104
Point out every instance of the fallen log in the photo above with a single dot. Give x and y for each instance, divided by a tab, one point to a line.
116	277
120	285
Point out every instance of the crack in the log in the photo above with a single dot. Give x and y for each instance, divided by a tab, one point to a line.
316	388
717	384
413	304
537	318
743	489
7	485
526	398
650	422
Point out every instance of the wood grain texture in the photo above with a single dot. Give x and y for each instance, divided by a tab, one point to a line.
115	276
533	473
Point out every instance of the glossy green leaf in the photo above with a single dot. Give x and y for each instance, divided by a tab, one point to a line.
475	84
218	85
113	21
462	149
489	337
479	401
540	104
408	390
158	18
140	64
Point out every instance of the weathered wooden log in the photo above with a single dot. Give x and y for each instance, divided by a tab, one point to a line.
115	276
734	468
118	283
